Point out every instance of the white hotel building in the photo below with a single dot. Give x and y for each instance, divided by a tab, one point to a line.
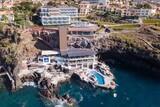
138	12
61	15
97	1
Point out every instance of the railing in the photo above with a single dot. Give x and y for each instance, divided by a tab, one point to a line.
6	73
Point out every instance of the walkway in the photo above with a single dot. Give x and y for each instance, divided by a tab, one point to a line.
9	76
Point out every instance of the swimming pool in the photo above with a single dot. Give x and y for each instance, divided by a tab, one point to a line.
99	77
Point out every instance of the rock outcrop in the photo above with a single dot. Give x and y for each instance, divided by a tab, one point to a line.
140	49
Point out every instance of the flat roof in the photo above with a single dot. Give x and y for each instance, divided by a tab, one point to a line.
58	7
75	52
83	26
45	28
82	29
49	52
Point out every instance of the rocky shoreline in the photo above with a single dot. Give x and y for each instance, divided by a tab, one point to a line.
127	60
133	49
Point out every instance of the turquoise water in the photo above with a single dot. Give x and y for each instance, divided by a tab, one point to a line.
99	78
26	97
134	90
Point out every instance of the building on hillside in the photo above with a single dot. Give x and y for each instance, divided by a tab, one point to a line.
61	53
97	1
61	15
138	12
129	11
82	29
55	38
78	58
84	8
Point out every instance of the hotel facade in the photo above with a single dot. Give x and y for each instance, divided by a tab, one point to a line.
132	11
97	1
62	15
138	12
84	8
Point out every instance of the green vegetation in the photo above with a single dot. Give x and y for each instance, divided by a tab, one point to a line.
105	16
111	17
4	18
126	38
100	22
152	22
24	12
71	3
144	6
125	27
8	52
1	26
130	40
53	3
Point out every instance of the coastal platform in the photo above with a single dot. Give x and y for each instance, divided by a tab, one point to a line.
100	76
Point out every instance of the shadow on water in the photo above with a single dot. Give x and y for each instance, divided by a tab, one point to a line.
138	72
139	67
7	83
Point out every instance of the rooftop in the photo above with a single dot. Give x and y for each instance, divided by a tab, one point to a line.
75	52
85	26
61	6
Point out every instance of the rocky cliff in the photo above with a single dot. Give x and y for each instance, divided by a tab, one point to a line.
140	48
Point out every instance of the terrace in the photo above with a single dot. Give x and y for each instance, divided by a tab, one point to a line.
82	29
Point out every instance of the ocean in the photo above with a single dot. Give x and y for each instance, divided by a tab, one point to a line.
135	89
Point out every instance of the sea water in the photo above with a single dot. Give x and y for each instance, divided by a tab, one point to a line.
135	89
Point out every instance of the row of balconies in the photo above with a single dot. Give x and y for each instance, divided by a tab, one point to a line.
55	22
56	9
55	18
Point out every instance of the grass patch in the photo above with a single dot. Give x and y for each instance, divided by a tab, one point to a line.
125	27
99	22
2	25
152	22
145	21
104	22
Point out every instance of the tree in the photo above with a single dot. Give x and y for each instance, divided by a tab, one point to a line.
51	3
145	6
15	37
24	11
4	18
35	7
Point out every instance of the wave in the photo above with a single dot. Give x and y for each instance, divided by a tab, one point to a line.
59	106
24	104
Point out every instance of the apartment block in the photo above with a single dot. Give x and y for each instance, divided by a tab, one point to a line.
61	15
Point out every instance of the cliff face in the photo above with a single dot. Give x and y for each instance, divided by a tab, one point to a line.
140	48
12	53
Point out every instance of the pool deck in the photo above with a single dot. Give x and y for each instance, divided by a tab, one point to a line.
109	82
104	78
